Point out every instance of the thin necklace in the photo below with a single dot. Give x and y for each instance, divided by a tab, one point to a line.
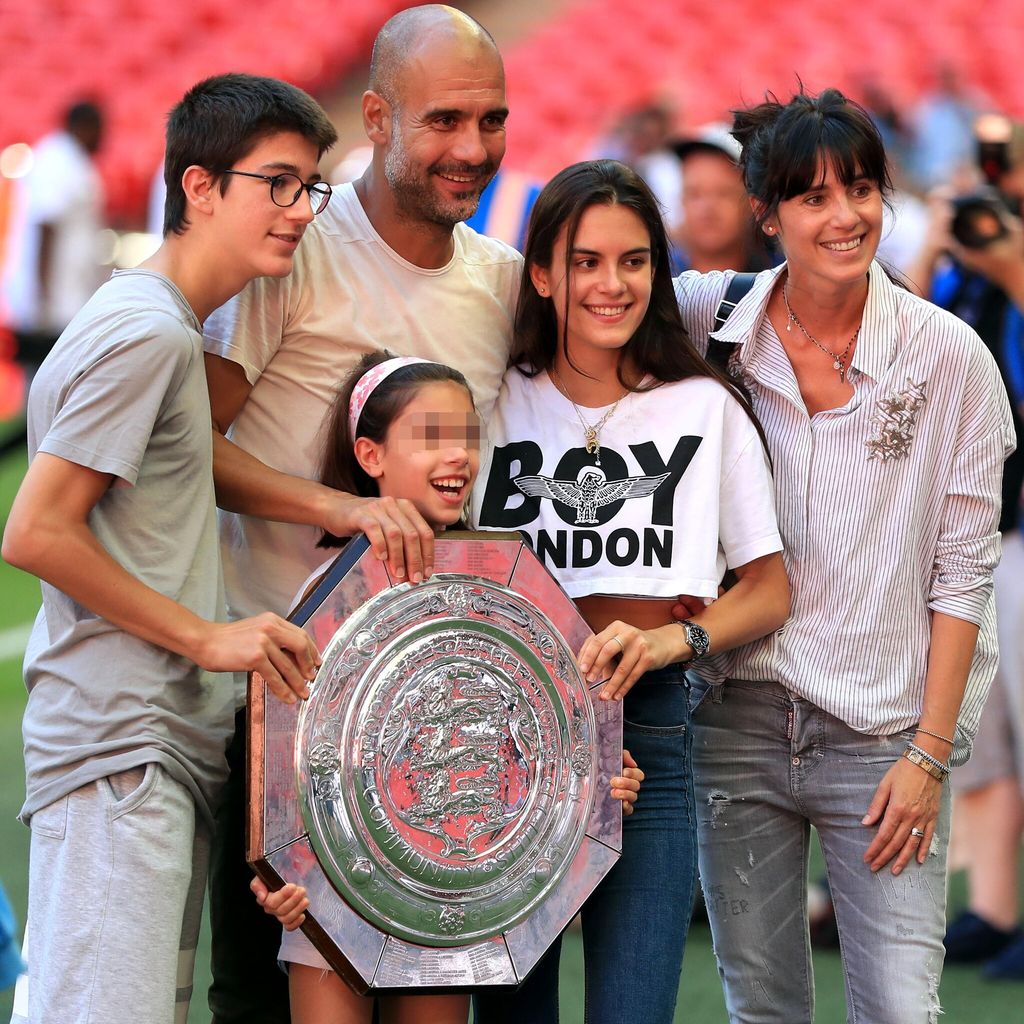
591	431
838	361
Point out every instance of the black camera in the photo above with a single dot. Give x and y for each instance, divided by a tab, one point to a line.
979	219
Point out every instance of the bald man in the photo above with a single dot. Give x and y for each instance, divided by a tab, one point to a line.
389	264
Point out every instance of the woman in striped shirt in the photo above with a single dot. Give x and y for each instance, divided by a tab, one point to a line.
888	426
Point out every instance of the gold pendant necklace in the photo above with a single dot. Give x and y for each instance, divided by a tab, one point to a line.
838	361
591	431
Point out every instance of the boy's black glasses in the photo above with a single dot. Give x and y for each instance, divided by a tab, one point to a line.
285	189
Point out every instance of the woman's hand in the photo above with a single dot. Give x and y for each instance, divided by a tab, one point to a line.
688	607
288	904
626	787
637	650
907	798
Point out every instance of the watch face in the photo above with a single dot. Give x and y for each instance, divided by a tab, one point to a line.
698	639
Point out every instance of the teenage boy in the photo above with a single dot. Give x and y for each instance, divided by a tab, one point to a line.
126	724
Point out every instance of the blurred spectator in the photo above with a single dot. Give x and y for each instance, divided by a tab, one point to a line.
717	230
943	128
13	393
983	283
155	204
54	255
891	124
11	964
904	229
505	206
904	218
641	140
988	815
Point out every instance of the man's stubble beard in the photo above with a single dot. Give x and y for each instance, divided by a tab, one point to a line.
415	198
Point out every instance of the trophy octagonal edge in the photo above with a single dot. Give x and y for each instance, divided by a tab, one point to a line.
443	794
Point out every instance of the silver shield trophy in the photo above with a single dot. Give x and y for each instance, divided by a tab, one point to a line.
443	795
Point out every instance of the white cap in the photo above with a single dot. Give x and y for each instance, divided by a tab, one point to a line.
714	136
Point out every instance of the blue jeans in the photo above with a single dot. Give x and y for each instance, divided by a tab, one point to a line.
769	765
635	921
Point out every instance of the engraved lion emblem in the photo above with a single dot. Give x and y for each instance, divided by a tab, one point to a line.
457	757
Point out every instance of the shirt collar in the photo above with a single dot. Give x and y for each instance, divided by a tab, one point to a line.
876	346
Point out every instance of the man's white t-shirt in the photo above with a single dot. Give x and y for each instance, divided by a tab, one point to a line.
296	338
682	492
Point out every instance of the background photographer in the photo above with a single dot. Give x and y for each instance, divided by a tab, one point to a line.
972	263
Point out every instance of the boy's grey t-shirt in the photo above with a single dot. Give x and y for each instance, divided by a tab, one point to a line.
124	392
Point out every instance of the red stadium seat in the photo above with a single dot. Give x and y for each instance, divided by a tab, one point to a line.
570	79
598	59
138	56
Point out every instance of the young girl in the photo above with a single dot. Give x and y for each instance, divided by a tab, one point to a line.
403	429
638	473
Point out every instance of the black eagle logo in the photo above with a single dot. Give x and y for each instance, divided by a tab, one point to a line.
589	491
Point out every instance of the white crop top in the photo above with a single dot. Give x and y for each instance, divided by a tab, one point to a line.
682	492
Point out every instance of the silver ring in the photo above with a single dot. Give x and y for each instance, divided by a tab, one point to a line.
619	642
917	833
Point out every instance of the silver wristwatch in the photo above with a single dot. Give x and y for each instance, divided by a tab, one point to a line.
698	639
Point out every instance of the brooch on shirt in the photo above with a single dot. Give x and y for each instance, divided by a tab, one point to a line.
892	424
589	491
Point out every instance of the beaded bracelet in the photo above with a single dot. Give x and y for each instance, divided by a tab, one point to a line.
932	765
934	735
931	758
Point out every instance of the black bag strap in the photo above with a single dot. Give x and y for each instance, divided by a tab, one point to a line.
719	351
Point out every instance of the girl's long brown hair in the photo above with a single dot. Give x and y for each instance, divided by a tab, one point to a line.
660	349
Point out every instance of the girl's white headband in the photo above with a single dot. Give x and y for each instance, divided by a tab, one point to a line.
369	382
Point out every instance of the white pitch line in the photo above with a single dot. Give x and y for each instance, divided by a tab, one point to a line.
14	640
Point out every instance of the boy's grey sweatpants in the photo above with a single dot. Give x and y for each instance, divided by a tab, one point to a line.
116	877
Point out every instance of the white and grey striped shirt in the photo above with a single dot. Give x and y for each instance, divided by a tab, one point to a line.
888	507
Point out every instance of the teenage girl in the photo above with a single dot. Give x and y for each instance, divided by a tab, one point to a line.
638	472
406	430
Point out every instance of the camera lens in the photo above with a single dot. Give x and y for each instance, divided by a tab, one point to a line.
978	221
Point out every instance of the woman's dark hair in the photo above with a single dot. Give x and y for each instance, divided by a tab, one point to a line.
784	145
660	349
339	467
